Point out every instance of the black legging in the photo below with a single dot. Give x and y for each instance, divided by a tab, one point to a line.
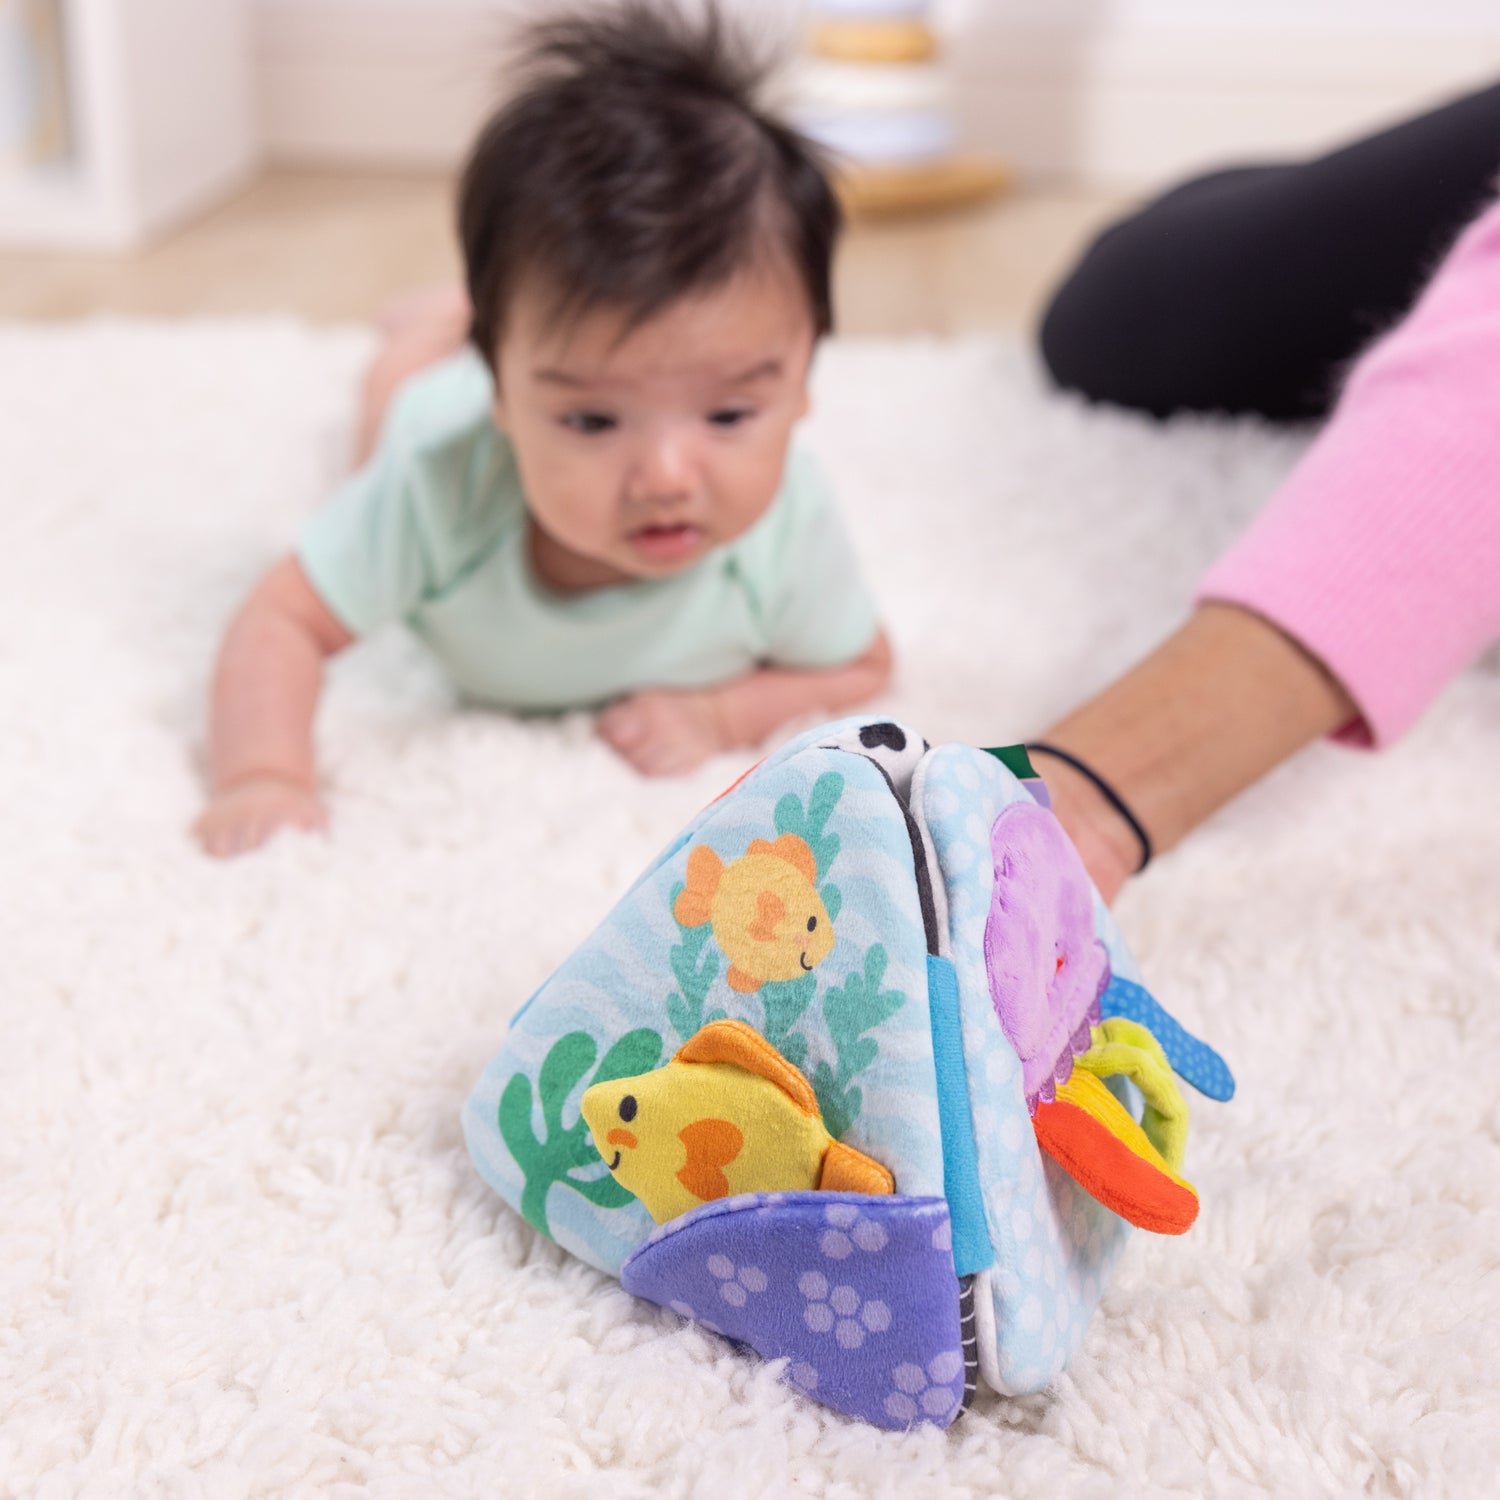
1250	290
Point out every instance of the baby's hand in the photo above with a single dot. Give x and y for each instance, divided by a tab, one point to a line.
245	814
664	731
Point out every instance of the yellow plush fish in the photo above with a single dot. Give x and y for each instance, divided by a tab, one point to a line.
767	915
729	1114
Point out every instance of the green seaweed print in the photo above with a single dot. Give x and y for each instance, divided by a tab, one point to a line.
695	968
564	1150
850	1009
811	826
784	1004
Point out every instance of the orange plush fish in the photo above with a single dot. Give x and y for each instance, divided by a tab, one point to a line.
765	909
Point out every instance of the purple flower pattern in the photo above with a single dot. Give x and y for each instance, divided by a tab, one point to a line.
857	1293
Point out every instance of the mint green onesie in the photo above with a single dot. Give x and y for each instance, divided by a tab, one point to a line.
433	531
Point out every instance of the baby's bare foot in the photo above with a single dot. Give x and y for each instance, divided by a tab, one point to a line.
244	815
446	305
418	331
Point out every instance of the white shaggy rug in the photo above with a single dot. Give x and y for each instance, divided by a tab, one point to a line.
242	1251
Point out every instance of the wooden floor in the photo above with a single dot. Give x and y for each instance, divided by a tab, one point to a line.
332	246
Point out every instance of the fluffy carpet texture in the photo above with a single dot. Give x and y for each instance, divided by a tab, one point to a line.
243	1251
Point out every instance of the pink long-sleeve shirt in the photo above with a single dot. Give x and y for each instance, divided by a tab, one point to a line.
1381	553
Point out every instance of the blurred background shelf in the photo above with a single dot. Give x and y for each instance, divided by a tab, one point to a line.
246	156
51	204
874	88
1120	93
873	192
162	120
334	245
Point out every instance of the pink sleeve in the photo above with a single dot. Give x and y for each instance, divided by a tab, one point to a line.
1381	553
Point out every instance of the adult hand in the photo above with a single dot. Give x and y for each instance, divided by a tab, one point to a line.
1111	853
1213	709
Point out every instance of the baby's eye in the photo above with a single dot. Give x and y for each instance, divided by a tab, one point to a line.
589	423
730	416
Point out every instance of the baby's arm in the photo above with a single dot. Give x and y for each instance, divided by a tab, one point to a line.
265	693
665	732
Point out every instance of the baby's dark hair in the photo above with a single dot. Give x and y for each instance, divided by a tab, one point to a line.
633	166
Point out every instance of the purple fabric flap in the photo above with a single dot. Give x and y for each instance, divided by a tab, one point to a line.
857	1293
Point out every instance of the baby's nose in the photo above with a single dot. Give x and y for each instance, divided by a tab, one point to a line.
665	469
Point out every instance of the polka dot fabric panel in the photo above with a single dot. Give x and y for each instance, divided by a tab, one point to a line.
1054	1246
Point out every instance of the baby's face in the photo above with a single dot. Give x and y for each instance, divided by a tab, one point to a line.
641	449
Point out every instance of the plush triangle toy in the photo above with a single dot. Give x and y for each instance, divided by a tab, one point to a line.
859	1074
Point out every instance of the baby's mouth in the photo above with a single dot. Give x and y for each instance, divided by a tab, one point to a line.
666	541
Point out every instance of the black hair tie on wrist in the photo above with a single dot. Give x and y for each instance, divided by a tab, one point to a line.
1106	791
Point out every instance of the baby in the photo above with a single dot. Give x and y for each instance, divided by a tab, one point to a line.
594	505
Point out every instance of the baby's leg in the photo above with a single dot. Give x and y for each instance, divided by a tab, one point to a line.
418	330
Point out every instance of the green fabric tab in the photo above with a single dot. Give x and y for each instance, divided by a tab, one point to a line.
1015	760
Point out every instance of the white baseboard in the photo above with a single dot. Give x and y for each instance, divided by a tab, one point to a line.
396	84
